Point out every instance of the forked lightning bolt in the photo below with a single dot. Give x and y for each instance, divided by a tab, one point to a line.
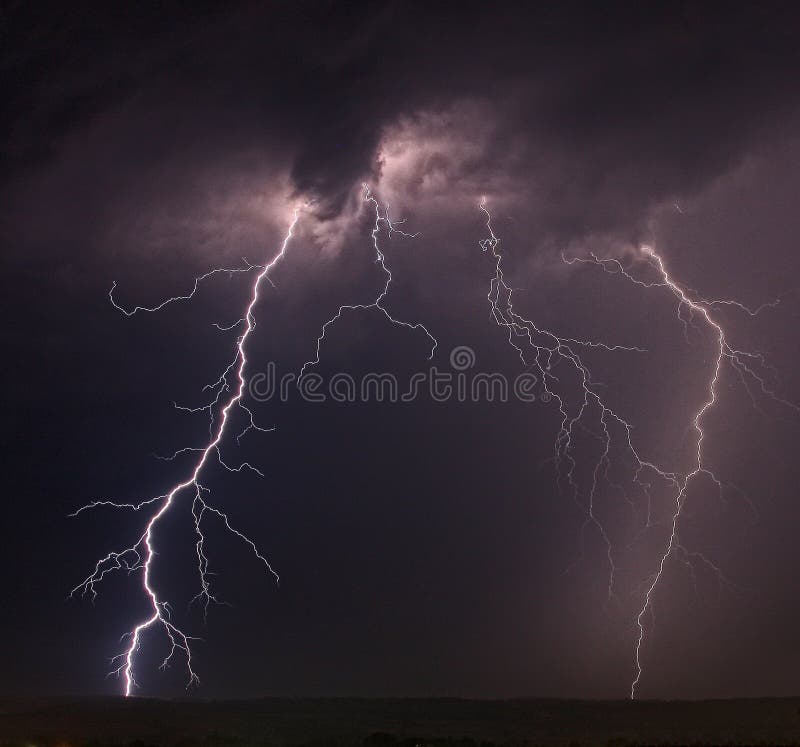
543	349
742	362
537	347
141	554
377	303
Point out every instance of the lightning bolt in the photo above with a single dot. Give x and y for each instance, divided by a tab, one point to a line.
140	556
377	303
743	363
537	347
543	350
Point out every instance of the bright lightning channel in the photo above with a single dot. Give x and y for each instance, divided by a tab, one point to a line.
742	362
141	554
543	349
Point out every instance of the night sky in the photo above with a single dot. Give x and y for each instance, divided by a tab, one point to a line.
424	547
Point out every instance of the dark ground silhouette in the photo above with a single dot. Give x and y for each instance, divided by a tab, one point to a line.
354	722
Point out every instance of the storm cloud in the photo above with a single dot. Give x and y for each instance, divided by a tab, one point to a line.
590	114
426	548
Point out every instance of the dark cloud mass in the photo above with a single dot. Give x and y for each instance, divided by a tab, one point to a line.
147	142
617	105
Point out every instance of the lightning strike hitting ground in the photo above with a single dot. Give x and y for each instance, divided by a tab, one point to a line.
742	362
380	258
141	554
543	349
539	348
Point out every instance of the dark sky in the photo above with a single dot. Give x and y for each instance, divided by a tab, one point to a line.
424	548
